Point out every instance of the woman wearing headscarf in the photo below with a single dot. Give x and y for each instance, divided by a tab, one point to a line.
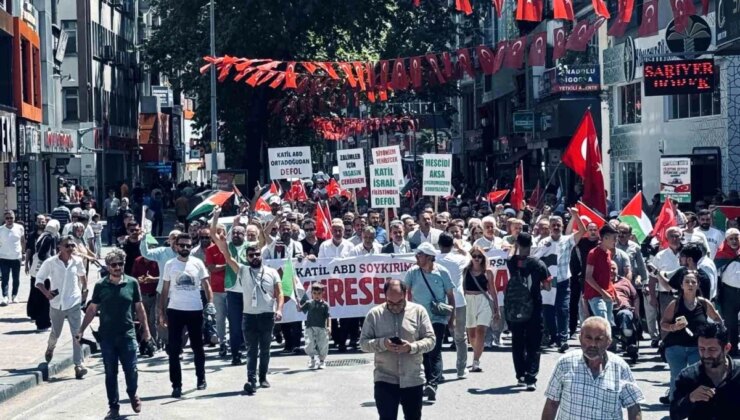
46	247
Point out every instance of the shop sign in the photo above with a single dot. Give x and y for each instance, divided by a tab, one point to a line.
623	63
523	122
29	139
7	137
675	179
59	142
577	78
728	23
23	194
679	77
696	38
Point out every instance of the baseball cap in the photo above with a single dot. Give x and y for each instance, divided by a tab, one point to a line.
274	200
426	248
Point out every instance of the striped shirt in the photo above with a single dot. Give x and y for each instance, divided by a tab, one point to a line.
62	215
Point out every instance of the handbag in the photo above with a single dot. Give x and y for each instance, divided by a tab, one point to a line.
494	323
438	308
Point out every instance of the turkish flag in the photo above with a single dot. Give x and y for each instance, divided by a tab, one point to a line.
578	38
501	49
618	28
563	9
497	196
370	66
290	76
558	43
594	193
399	78
529	10
666	219
587	215
517	193
625	10
347	69
486	58
515	55
297	192
332	188
449	70
360	72
538	49
415	71
536	197
463	63
649	25
434	65
384	70
600	8
323	225
463	6
499	6
575	155
682	9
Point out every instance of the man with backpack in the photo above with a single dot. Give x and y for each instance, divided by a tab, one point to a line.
523	309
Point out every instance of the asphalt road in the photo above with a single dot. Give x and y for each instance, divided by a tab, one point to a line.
342	391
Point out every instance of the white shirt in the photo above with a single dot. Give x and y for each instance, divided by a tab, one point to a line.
89	233
731	275
10	242
666	260
64	278
294	249
359	250
708	266
259	288
484	243
327	249
185	283
715	237
404	248
696	237
455	263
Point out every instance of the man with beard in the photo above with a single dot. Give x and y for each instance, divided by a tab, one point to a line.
710	388
310	243
373	219
263	305
714	236
368	246
337	246
181	307
578	271
234	293
398	243
592	383
425	232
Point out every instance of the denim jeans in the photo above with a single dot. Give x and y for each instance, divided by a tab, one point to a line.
433	359
8	267
219	301
111	228
548	315
602	308
679	357
234	308
150	308
123	349
460	345
562	311
388	396
257	329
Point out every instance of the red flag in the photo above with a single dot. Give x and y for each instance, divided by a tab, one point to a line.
578	38
618	28
666	219
704	7
415	71
463	6
297	192
323	227
649	25
384	69
601	9
434	65
499	6
682	9
515	55
558	48
625	10
594	193
498	61
399	80
463	63
575	155
486	58
588	216
563	9
449	70
497	196
538	49
536	197
290	76
529	10
360	71
332	188
517	193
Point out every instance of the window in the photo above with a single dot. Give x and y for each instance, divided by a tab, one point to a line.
695	105
70	27
630	104
630	180
71	99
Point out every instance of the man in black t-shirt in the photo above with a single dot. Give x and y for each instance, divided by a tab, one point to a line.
526	335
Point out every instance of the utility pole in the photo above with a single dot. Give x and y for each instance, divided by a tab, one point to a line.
214	122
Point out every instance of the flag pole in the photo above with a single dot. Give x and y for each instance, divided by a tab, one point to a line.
387	223
354	199
436	204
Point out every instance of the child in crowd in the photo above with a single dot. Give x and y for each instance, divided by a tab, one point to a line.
97	228
318	326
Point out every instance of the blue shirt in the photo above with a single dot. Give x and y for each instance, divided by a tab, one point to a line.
439	281
381	236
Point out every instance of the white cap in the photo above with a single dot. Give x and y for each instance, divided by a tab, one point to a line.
426	248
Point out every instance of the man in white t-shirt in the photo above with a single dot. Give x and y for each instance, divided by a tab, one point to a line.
184	278
665	261
12	249
489	239
714	236
337	246
455	259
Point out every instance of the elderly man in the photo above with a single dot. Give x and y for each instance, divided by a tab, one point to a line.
489	240
398	348
12	249
429	284
592	383
368	246
397	244
337	246
667	260
425	233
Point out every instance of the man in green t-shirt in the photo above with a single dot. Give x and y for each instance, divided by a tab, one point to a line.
114	296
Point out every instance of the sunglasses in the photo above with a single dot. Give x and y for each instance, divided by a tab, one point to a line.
205	238
186	246
254	254
478	257
115	265
70	246
309	229
9	218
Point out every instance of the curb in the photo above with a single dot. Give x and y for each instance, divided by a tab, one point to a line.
15	384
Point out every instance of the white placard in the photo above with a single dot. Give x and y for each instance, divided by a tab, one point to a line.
675	179
389	155
351	168
290	162
437	177
384	187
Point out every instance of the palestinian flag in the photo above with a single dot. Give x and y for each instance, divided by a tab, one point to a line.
291	284
633	215
218	198
722	214
262	206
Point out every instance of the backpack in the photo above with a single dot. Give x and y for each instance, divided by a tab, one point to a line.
518	302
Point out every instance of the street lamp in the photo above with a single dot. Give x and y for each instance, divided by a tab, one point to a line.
214	124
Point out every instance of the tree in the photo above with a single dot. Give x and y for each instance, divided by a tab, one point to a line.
287	30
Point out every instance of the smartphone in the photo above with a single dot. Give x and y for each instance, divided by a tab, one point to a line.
55	292
397	341
680	319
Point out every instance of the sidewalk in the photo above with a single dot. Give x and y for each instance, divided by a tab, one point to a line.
22	363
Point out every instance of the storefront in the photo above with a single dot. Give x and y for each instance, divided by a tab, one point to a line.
7	158
60	162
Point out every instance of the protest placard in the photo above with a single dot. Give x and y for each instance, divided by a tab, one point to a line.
390	155
290	162
351	164
437	176
384	187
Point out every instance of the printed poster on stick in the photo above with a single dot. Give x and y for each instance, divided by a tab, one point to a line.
290	162
675	179
390	155
437	179
351	168
384	188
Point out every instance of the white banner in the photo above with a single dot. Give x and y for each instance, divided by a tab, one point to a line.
354	285
351	168
384	188
437	177
290	162
389	155
675	179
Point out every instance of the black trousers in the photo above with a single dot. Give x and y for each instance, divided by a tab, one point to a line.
433	359
292	332
37	307
525	348
257	330
389	396
730	306
193	321
576	290
349	328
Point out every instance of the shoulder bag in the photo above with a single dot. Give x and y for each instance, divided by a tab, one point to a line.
438	307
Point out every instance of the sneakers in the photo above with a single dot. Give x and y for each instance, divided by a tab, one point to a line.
321	364
665	400
223	352
4	301
462	374
177	392
250	387
112	414
531	387
430	392
202	385
15	299
264	383
312	363
563	348
80	371
476	366
49	354
236	360
521	382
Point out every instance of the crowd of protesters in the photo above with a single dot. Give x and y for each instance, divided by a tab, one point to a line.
207	285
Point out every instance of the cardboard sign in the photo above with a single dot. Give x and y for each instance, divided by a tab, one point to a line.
675	179
290	162
437	177
384	187
390	155
351	168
